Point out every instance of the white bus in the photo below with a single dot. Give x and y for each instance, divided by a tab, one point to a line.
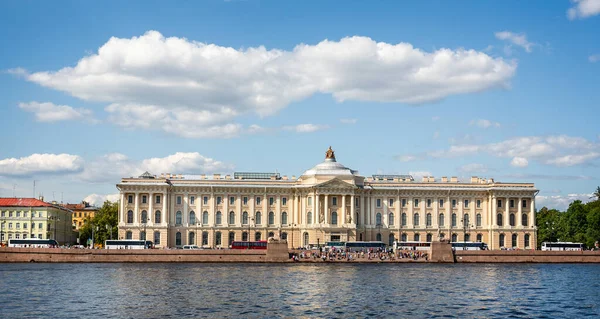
411	245
127	244
562	246
469	245
32	243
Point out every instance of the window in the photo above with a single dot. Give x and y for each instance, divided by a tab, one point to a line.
271	218
478	203
511	219
378	237
257	200
17	236
192	218
205	200
512	203
144	199
404	202
403	221
453	203
218	200
454	238
524	219
453	220
514	240
205	217
417	237
478	220
157	201
356	202
191	238
157	217
258	218
309	201
178	200
219	218
192	200
378	202
130	217
428	202
467	237
271	201
428	220
499	203
144	217
391	202
466	220
391	219
524	204
245	218
231	218
25	214
416	201
19	226
204	238
244	236
245	201
309	218
441	220
403	237
156	238
306	242
257	236
10	214
284	218
416	219
3	214
378	219
334	218
284	201
218	238
499	220
526	240
130	199
178	218
32	225
129	235
40	224
428	238
142	235
466	203
479	238
231	238
441	203
231	200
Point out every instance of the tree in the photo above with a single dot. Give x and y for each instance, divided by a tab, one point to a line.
596	194
106	217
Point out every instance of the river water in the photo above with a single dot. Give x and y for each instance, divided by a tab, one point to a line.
301	291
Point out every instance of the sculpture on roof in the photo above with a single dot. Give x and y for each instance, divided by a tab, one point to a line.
330	153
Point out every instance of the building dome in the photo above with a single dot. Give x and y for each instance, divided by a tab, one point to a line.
330	167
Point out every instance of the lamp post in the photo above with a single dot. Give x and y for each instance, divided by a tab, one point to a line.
466	226
2	232
144	222
292	226
379	231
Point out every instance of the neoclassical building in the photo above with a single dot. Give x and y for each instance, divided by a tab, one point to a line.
328	202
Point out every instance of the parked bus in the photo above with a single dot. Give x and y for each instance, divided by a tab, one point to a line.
469	245
562	246
32	243
127	244
411	245
356	246
340	245
261	244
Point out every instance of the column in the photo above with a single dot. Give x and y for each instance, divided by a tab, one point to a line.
225	214
532	216
212	202
343	221
186	218
135	210
278	210
238	219
327	218
494	220
372	210
507	213
150	212
436	214
122	210
317	205
411	213
353	210
519	220
164	220
362	210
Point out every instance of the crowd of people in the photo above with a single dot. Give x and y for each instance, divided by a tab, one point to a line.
367	254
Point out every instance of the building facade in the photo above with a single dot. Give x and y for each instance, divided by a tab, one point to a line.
82	212
328	202
22	218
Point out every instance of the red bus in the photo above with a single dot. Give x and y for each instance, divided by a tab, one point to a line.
261	244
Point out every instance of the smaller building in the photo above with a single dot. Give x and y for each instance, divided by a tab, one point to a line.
22	218
82	212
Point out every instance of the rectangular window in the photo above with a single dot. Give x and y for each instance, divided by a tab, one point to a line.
32	214
231	200
271	201
10	214
429	203
24	236
157	199
257	200
130	199
356	201
454	203
9	225
441	203
391	202
18	214
378	202
478	203
205	200
192	200
32	225
404	202
3	214
40	227
219	200
466	203
18	225
284	201
40	236
178	200
512	203
499	203
245	200
25	214
24	225
334	201
144	199
416	200
309	201
524	203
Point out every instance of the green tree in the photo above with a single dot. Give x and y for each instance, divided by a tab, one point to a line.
105	219
593	227
596	194
548	223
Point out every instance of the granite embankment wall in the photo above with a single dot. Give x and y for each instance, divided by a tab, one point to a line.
526	256
275	253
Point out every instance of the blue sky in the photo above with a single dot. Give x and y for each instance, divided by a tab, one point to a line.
506	90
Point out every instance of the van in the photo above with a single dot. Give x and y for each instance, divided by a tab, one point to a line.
191	247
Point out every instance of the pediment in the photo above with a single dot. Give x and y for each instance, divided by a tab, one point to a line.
336	183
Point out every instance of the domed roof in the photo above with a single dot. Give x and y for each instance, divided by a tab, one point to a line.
330	167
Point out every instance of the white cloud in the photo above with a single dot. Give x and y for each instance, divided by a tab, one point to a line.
594	58
417	175
519	162
583	9
41	164
197	90
516	39
407	158
305	128
560	202
473	168
255	129
348	121
98	200
109	169
484	123
573	159
49	112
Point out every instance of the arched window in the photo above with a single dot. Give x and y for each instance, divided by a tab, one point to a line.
258	219
219	218
378	219
416	219
479	238
205	217
442	235
511	219
257	236
454	238
378	237
453	220
271	234
334	218
526	240
309	218
245	218
144	217
231	238
284	235
178	239
499	220
428	238
428	219
244	236
305	239
391	219
142	235
514	240
192	218
524	219
157	217
130	217
128	235
178	218
466	219
218	239
204	238
191	238
417	237
284	218
501	241
441	220
478	220
231	218
403	237
271	218
467	237
403	219
156	238
391	239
